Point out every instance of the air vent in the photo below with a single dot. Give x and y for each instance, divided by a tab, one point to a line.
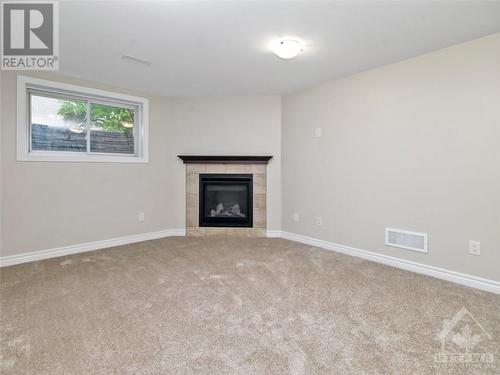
406	239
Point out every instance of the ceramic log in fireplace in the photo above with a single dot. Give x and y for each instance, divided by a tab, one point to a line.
226	200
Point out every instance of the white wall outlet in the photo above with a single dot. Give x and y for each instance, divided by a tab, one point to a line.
319	220
295	216
140	217
317	132
474	247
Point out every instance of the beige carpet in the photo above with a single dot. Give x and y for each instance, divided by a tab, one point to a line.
234	306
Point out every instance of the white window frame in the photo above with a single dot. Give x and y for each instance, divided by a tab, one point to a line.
24	152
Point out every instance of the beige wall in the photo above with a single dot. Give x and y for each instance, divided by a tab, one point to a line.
1	148
413	145
246	125
51	204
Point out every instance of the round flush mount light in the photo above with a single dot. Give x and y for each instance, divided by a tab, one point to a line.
286	48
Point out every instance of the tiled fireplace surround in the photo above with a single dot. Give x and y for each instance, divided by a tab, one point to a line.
232	165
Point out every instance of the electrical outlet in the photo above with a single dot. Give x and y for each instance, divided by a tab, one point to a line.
317	132
319	220
474	247
140	217
295	216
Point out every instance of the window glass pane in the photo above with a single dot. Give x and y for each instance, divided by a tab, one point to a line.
111	129
57	124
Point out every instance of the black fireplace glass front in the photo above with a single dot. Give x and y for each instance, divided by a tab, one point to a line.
226	200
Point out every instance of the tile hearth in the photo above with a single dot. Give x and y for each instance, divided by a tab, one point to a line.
259	171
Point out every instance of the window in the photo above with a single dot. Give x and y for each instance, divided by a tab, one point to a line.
60	122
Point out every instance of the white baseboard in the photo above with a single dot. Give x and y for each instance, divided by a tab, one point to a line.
88	246
440	273
273	233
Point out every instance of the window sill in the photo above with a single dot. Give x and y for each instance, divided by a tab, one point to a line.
50	157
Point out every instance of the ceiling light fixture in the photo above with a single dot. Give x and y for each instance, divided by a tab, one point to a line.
286	48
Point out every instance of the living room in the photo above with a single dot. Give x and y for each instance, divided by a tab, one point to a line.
250	187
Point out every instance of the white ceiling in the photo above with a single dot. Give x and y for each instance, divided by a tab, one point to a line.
221	48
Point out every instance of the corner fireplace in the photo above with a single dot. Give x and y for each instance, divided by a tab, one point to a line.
226	200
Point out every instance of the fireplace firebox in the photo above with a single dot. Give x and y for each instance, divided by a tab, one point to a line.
226	200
